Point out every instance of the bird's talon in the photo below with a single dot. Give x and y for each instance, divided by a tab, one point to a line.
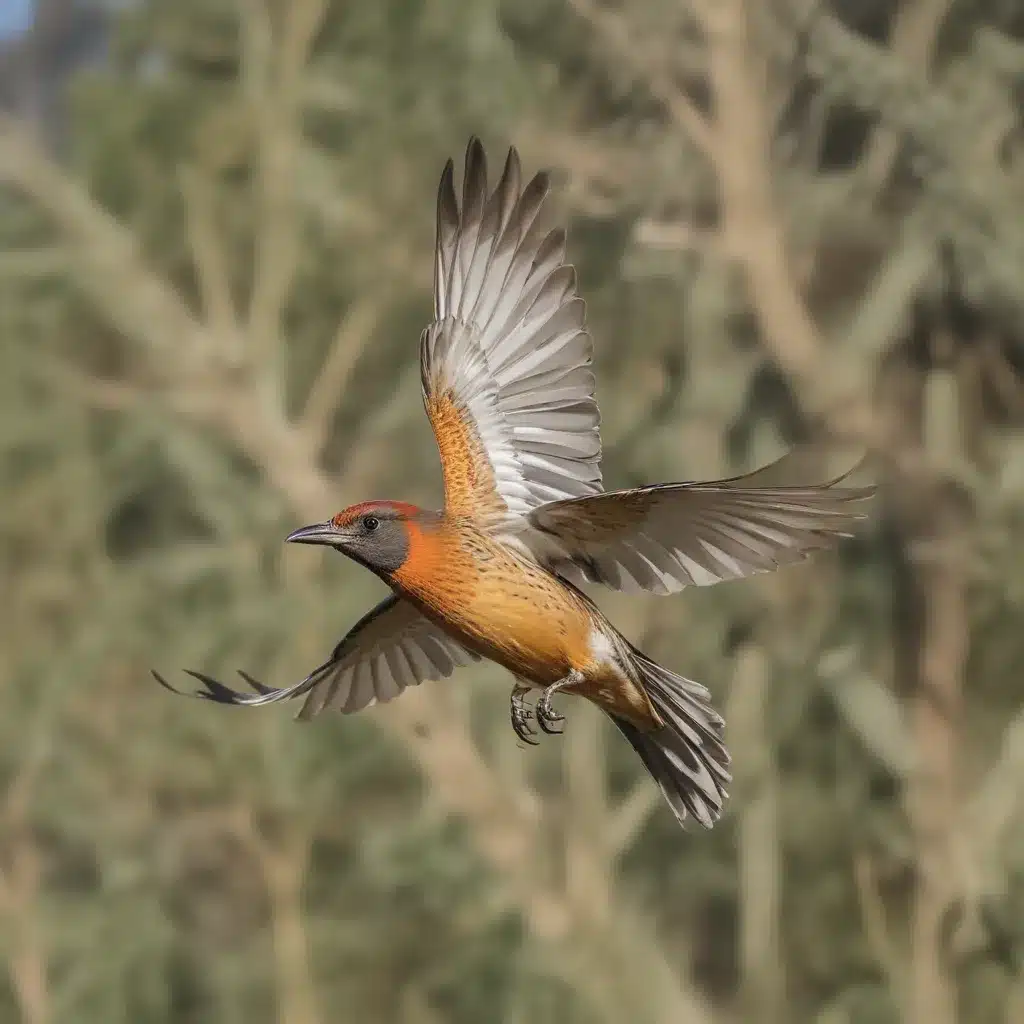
523	731
548	718
521	713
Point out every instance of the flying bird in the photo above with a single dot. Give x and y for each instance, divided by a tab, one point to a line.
509	392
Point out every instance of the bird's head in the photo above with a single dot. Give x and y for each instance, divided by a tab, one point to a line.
377	534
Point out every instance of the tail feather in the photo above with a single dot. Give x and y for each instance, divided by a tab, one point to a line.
686	757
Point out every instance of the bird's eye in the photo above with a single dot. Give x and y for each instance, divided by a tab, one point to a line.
370	523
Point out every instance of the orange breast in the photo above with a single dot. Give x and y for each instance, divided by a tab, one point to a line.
498	604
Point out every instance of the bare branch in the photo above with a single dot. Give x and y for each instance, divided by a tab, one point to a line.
760	853
98	392
29	264
284	865
876	928
631	814
675	237
208	256
588	867
754	236
737	144
610	28
105	260
914	33
274	86
326	394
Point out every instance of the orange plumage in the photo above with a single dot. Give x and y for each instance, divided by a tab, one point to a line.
509	392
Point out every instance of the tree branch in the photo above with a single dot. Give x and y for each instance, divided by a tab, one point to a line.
631	815
588	864
325	395
737	144
105	261
760	854
753	234
284	866
208	257
273	83
914	33
611	28
876	927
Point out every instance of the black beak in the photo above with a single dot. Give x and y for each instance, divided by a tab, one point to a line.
318	533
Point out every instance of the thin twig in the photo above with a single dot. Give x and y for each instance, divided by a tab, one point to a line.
274	87
328	390
631	814
914	34
208	257
615	33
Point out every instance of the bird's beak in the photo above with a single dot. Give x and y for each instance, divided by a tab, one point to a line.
318	533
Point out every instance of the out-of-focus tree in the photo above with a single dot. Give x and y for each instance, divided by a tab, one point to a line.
790	220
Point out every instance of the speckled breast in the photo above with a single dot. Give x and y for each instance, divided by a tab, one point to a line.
499	604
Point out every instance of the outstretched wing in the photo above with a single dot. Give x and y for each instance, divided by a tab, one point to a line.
671	536
505	366
389	649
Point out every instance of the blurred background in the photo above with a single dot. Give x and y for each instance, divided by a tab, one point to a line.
790	220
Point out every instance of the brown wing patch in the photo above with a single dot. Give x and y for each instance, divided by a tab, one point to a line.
469	484
602	518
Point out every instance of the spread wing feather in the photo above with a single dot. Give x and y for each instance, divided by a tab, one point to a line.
505	366
670	536
389	649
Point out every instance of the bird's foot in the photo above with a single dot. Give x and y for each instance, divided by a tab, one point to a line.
548	718
521	713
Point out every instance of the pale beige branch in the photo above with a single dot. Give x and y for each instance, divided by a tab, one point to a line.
613	31
737	144
20	880
631	814
30	264
303	21
107	264
284	864
914	33
876	927
754	235
98	392
588	866
676	236
932	657
580	156
273	83
26	961
208	258
760	854
328	390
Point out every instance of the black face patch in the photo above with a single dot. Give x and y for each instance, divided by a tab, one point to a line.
381	545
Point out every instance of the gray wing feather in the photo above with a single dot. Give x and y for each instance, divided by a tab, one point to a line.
389	649
670	536
509	338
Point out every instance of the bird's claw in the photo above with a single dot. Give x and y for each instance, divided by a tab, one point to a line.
548	718
521	714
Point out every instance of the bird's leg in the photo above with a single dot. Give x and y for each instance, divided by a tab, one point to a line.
521	714
547	717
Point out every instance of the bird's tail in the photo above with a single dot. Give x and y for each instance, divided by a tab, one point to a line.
686	757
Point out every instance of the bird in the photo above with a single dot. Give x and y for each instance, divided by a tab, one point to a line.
498	573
